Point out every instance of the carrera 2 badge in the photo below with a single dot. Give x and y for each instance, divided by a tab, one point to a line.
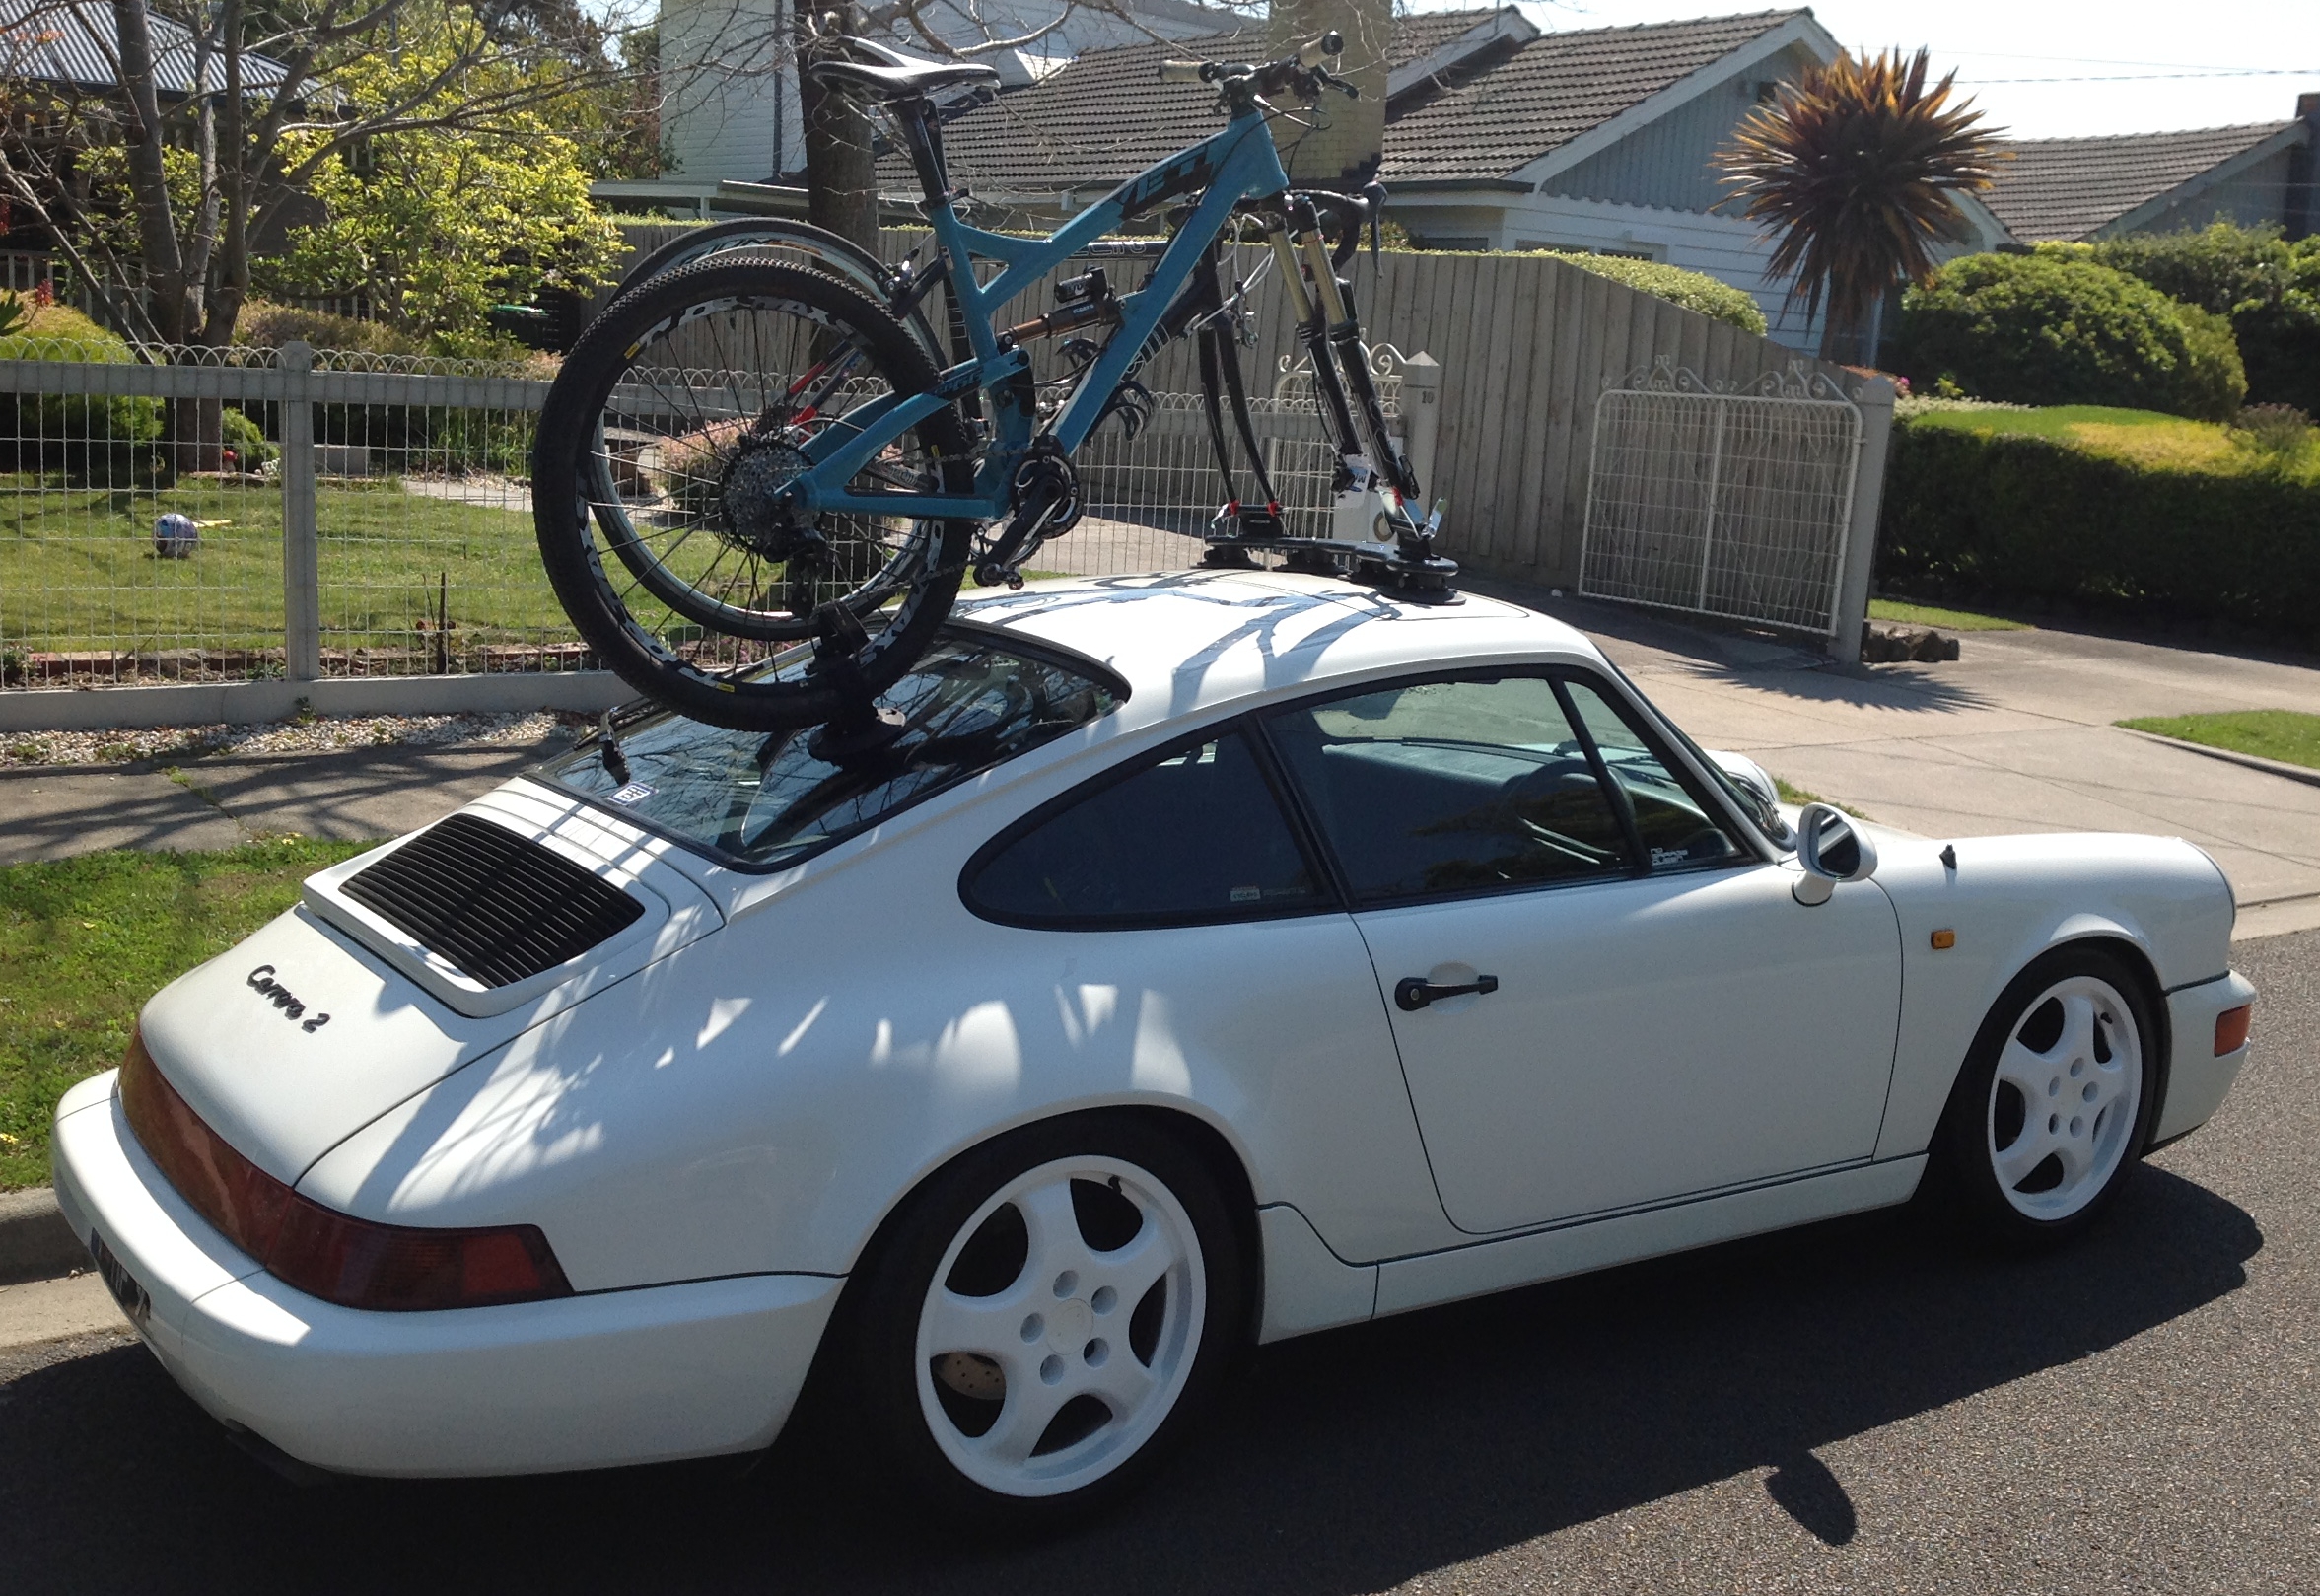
261	981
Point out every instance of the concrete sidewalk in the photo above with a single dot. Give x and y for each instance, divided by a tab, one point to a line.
2013	736
218	802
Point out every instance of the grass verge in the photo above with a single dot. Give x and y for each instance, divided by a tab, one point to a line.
1946	620
84	941
1790	793
2288	735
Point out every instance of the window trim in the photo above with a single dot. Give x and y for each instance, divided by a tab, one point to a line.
1555	674
1329	897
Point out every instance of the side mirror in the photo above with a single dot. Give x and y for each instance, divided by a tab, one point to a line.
1831	848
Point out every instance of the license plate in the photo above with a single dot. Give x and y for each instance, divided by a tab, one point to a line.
121	1283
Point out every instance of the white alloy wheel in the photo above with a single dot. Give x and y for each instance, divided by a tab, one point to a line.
2064	1099
1061	1326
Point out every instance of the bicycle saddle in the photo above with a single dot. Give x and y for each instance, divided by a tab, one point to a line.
899	77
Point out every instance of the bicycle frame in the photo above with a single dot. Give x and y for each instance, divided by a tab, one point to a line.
1236	163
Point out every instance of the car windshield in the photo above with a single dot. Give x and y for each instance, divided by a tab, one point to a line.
763	801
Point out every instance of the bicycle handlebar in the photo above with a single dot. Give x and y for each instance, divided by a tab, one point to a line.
1294	70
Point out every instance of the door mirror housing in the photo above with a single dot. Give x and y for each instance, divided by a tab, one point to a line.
1831	848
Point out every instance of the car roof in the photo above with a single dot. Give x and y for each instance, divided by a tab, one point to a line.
1190	641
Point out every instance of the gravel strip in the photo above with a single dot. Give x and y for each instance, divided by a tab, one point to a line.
298	735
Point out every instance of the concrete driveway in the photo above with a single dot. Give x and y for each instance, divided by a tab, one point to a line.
2016	736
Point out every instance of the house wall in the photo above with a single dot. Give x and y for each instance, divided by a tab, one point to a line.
1668	163
732	111
2252	198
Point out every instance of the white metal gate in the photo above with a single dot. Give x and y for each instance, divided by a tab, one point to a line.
1732	503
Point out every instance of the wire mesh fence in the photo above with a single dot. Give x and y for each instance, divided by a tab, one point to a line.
1734	505
229	516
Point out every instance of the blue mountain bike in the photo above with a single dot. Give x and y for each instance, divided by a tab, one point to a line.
763	442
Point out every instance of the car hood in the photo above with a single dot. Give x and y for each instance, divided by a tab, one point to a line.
330	1015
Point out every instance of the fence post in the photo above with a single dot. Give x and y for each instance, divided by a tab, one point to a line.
1422	418
1876	400
302	575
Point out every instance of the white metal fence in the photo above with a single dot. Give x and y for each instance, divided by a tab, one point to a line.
1736	503
312	515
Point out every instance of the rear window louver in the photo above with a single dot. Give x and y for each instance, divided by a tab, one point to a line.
499	907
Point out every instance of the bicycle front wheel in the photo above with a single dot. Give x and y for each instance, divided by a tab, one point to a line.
665	443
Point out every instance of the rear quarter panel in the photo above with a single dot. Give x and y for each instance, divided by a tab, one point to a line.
2010	900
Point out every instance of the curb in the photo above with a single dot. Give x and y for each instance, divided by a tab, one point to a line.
2232	756
35	1243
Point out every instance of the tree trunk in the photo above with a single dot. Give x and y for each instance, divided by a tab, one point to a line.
841	176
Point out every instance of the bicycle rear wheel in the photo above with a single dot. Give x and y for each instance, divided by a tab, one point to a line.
664	444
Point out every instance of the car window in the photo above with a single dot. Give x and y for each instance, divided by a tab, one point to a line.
1193	835
1676	825
1451	787
755	801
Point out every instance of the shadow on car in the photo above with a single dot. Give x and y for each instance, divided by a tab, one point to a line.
1341	1462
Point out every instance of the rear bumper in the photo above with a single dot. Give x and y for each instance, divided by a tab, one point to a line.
2197	1077
595	1381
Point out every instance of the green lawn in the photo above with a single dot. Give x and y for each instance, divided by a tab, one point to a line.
2146	437
84	942
1947	621
2288	735
82	572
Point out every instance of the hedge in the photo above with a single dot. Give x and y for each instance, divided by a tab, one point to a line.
2058	329
1693	290
100	440
2005	514
2268	286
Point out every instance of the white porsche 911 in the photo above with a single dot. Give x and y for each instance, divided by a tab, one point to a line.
1206	959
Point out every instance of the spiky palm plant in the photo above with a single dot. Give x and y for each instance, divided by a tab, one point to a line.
1853	168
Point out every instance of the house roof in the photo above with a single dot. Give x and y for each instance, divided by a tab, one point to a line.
1486	122
2070	189
1515	96
74	42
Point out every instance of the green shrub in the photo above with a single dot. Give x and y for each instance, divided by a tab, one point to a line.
102	440
1982	512
2059	329
2277	430
1693	290
2269	287
246	438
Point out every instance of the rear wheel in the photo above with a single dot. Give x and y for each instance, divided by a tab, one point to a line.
666	443
2056	1100
1042	1320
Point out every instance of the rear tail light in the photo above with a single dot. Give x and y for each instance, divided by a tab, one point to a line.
354	1262
2231	1028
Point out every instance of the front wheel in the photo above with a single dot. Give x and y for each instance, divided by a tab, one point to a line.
1042	1319
2056	1100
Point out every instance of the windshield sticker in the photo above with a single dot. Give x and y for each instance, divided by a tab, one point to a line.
633	792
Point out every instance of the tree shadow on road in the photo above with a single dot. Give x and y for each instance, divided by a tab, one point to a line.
1344	1462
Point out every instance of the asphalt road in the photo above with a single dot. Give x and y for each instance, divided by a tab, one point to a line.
1865	1405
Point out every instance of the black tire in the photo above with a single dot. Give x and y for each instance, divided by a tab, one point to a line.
1989	1121
874	1389
804	243
571	471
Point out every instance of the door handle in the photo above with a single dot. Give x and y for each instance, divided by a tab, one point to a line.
1413	993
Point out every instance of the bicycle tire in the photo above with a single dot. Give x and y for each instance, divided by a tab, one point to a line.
566	523
821	250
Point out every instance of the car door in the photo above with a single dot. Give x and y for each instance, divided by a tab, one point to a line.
1663	1018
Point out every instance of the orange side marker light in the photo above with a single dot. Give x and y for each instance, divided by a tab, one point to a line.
2231	1028
1945	939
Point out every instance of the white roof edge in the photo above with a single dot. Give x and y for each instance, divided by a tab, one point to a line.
1504	23
1801	28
